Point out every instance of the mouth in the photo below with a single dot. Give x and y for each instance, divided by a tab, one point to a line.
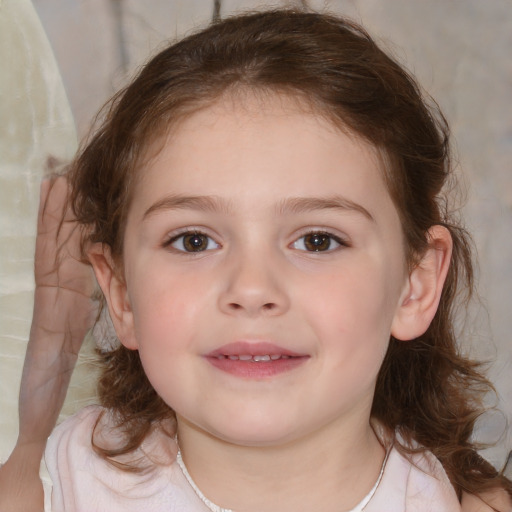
255	360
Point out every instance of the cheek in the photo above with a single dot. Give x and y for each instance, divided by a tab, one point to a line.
166	309
355	300
351	313
164	318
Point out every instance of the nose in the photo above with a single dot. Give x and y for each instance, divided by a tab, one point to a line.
254	287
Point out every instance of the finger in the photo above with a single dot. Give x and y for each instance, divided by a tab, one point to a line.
44	190
54	210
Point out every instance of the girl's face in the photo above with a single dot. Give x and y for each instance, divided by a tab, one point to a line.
265	270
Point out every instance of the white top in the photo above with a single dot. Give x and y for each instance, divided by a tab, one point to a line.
84	482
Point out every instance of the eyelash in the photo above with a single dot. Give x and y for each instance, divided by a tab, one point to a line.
323	236
189	233
326	235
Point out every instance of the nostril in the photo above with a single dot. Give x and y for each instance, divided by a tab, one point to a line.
266	307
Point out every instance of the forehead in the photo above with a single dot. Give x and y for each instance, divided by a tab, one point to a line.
243	140
245	106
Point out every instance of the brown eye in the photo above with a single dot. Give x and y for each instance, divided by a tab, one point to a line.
317	242
193	242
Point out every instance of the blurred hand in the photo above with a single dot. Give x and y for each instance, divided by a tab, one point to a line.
63	313
21	489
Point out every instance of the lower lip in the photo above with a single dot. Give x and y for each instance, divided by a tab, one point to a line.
257	370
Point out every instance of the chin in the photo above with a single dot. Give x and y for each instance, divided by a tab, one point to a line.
254	434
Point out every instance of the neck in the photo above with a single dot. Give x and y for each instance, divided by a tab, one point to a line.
329	471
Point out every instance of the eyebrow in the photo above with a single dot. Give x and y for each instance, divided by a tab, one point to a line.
307	204
179	202
292	205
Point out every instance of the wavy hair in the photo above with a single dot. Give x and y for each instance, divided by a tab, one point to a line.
426	390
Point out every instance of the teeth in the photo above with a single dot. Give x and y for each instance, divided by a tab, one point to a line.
256	359
261	358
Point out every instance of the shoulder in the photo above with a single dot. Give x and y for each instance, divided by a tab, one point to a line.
72	463
427	477
81	422
83	481
416	483
71	440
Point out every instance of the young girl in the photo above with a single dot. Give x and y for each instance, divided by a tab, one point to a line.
265	215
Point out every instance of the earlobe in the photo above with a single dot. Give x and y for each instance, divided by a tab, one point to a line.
114	289
424	286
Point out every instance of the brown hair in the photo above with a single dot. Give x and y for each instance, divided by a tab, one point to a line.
426	390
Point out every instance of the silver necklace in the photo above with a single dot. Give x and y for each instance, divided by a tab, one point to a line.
215	508
362	504
209	504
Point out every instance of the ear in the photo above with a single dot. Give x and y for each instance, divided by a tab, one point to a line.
422	292
114	288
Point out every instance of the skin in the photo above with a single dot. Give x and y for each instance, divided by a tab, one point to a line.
257	281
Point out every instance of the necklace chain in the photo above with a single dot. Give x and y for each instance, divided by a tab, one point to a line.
211	506
215	508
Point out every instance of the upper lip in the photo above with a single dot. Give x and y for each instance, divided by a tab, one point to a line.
256	348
